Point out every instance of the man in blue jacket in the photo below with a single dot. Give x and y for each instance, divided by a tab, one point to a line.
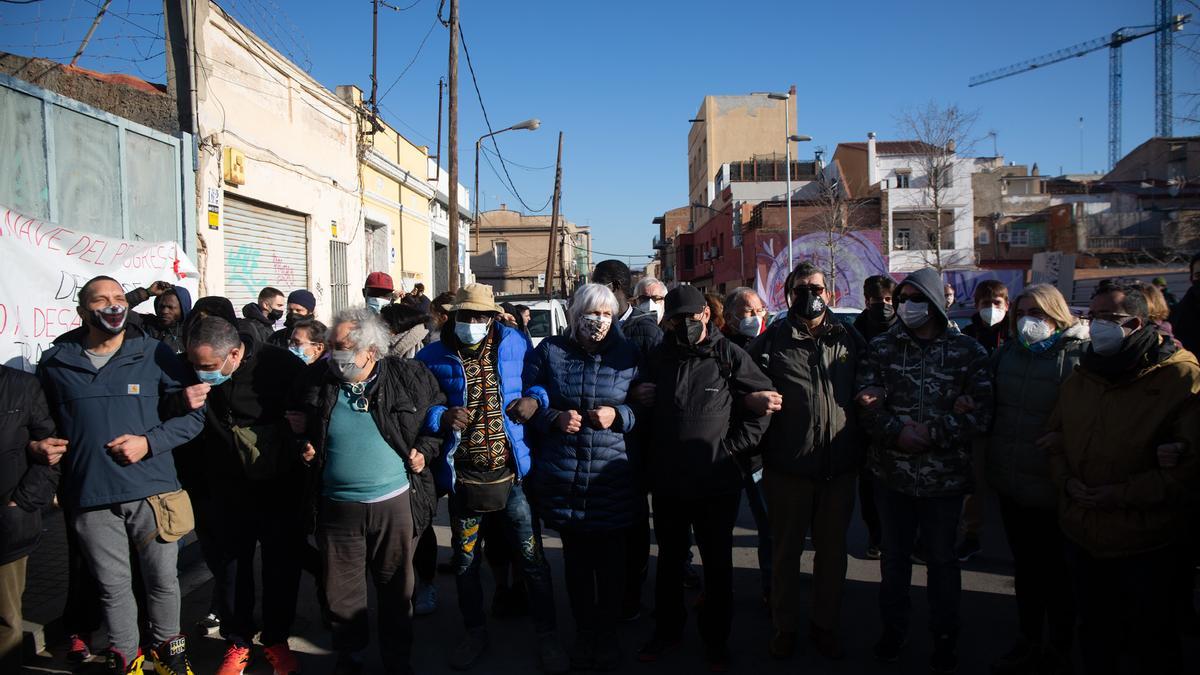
478	363
104	385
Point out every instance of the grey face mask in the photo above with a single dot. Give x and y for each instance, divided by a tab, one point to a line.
342	365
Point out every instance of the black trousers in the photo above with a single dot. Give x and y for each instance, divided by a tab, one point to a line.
711	519
594	563
866	503
353	539
250	515
1126	601
1043	582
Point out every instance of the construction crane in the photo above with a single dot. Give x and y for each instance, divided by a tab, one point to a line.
1163	90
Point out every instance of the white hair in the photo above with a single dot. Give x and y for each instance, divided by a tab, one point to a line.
589	298
369	331
645	285
737	297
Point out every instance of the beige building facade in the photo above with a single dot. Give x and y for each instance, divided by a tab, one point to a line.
732	129
510	252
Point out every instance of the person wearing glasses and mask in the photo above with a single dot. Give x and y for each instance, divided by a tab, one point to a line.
921	456
649	295
252	484
1122	451
811	456
478	363
745	316
638	325
364	439
702	434
307	341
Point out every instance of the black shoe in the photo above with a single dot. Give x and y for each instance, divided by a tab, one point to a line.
1022	658
608	655
582	653
347	664
888	649
170	657
210	623
717	658
656	647
631	610
968	548
783	645
826	642
944	660
115	663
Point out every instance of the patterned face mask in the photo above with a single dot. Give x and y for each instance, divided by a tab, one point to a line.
594	327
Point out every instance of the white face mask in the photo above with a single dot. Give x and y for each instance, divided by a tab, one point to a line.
342	365
1033	331
594	327
472	333
1107	337
751	326
992	315
652	307
913	314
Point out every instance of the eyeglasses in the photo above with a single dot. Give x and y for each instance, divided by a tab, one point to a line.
651	298
811	288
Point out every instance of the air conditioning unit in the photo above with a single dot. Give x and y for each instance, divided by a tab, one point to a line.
1004	237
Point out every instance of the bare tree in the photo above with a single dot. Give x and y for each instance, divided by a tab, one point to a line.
837	216
941	134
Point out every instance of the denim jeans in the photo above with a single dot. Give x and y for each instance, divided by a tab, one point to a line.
517	524
937	518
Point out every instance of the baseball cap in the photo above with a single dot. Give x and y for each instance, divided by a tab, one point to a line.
684	300
381	281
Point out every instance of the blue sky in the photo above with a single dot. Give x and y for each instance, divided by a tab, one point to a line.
622	78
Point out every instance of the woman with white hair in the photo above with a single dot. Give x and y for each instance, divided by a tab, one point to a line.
585	473
364	412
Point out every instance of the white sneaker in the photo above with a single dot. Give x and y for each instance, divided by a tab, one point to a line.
424	599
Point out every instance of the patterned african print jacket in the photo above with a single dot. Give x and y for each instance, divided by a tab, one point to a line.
442	359
921	381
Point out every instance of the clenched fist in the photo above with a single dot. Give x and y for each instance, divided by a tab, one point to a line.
522	409
49	450
309	452
128	449
456	418
197	395
569	422
417	460
763	402
602	417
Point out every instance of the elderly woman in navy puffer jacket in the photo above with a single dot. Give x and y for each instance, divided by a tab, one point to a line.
584	472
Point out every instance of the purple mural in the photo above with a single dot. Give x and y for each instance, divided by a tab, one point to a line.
859	255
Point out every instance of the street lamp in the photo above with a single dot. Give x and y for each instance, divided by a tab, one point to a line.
789	138
531	125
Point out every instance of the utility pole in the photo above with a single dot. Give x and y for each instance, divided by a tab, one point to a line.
452	146
87	38
374	62
550	251
438	151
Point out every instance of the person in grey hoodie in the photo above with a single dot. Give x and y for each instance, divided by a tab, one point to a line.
104	386
921	455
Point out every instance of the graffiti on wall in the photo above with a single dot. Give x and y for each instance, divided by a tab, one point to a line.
858	255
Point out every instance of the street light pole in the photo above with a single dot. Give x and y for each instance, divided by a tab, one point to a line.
530	124
789	138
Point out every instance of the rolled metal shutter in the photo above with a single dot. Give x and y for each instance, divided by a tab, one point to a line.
263	247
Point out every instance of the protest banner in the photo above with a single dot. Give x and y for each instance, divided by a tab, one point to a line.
43	266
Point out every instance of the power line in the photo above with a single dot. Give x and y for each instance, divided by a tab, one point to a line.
413	60
20	2
519	166
399	9
491	132
128	21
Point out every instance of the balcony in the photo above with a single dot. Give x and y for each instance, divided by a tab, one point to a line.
1124	243
660	243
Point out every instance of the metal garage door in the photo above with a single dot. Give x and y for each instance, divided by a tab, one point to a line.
263	247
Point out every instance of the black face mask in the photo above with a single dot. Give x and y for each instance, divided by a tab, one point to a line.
689	332
275	315
882	313
806	305
291	320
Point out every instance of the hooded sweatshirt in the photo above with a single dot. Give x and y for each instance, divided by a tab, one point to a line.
921	379
171	335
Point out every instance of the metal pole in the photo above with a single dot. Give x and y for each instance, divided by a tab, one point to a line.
475	219
550	251
87	38
452	147
374	58
787	139
438	150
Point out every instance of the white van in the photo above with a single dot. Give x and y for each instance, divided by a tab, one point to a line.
546	318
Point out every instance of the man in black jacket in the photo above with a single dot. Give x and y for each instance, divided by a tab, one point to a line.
875	320
695	384
26	486
811	456
261	316
253	483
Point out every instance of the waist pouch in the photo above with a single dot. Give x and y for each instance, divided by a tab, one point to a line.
259	449
485	496
173	513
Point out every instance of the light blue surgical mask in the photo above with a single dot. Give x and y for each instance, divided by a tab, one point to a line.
299	353
376	304
214	378
472	333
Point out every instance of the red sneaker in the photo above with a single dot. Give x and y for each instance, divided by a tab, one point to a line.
237	657
282	659
77	649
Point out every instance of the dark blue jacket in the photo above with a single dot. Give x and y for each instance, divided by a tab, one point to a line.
641	328
92	407
447	367
587	480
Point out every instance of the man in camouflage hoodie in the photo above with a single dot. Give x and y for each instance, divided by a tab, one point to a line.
921	455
